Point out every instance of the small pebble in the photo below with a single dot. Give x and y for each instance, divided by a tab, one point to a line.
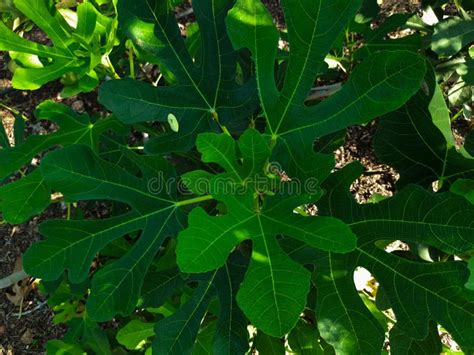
78	106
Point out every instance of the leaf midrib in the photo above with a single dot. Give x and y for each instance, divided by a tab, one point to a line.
108	230
125	187
272	277
209	285
359	98
137	261
300	77
395	272
178	58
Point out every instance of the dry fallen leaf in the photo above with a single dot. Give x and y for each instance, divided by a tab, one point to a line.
20	290
18	264
27	337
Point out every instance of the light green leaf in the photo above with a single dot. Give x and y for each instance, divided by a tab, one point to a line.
86	21
59	347
52	24
134	333
74	50
281	283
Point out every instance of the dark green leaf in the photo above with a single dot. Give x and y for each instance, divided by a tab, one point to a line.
291	125
177	333
402	344
203	95
303	340
116	287
417	140
376	40
30	195
451	36
418	292
267	345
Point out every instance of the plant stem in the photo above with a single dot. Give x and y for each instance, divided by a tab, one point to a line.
224	129
11	109
111	68
68	211
457	115
155	83
131	63
193	200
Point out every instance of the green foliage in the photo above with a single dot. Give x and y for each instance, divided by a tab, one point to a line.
227	229
451	36
425	148
79	46
117	287
30	195
134	333
281	283
424	216
206	94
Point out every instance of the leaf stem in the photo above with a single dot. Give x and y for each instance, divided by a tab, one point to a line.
110	67
68	217
157	81
457	115
215	116
131	63
193	200
11	109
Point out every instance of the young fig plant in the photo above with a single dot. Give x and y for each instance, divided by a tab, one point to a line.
260	250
